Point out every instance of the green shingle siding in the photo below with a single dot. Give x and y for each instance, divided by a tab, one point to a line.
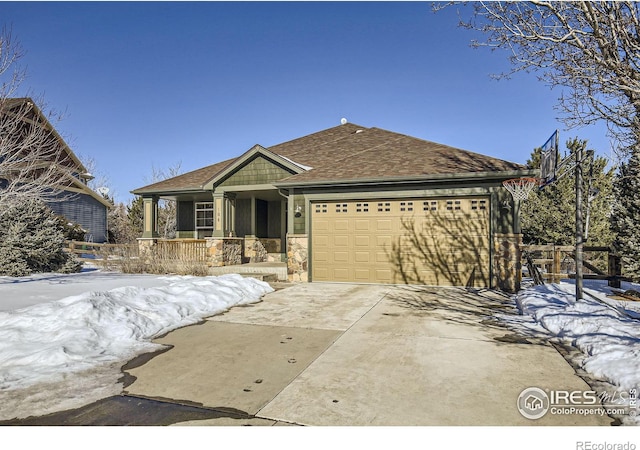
258	171
299	223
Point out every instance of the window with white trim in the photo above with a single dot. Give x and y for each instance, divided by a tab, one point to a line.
204	215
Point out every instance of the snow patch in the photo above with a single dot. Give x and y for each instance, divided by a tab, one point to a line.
607	332
48	342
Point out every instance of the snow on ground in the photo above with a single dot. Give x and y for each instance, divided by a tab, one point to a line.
64	352
606	331
20	292
65	338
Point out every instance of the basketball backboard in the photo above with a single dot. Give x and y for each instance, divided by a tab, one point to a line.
549	160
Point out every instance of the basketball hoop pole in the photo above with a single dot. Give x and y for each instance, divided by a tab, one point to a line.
555	170
579	225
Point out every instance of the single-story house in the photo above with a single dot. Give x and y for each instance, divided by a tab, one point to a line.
32	145
354	204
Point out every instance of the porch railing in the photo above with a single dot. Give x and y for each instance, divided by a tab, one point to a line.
182	249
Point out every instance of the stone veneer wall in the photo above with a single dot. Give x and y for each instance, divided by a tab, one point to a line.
297	257
258	249
224	251
507	262
146	244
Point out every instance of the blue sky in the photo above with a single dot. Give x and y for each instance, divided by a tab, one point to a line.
157	84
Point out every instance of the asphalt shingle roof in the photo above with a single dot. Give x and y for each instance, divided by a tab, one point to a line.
352	152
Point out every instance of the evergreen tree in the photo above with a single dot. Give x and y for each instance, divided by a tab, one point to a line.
72	231
548	215
625	214
135	215
120	229
32	240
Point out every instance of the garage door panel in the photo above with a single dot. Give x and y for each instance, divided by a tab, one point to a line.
340	241
341	274
320	240
362	257
341	225
340	257
321	256
353	239
381	256
321	225
383	225
321	273
384	276
363	275
362	225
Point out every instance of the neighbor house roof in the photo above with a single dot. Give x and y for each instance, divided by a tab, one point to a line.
25	110
352	152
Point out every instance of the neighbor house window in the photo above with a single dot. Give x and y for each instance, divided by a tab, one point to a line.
204	216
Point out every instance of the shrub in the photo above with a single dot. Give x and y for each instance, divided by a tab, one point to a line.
32	240
71	231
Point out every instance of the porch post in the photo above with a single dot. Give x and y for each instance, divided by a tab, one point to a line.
223	214
230	207
253	216
283	226
150	217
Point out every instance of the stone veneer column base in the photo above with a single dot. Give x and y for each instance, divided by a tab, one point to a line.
227	251
145	245
258	249
507	262
297	257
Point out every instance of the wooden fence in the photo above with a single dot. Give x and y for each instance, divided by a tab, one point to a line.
172	250
90	251
558	261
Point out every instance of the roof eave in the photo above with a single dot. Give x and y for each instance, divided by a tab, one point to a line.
470	176
88	191
169	192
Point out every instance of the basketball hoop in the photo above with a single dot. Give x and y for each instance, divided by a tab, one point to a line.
520	188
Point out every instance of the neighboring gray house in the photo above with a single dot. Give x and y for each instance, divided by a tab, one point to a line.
78	203
354	204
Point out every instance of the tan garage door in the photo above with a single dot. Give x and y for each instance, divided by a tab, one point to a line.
441	241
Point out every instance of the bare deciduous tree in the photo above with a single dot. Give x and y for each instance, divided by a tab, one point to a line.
590	49
11	75
33	160
166	208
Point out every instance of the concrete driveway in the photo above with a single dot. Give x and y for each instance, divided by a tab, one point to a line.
346	354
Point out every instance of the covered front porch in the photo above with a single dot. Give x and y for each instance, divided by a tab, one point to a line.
241	225
235	211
